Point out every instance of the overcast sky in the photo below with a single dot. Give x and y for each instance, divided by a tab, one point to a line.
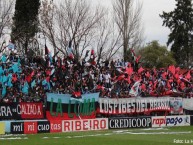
151	21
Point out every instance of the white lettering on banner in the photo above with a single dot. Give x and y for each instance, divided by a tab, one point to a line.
43	127
162	121
55	126
130	123
31	127
84	125
110	107
5	111
158	121
30	109
18	127
182	120
131	105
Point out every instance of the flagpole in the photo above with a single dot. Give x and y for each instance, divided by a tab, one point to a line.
2	46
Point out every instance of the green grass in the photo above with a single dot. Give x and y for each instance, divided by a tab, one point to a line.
108	137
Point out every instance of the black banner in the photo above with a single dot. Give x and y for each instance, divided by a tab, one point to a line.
191	120
17	127
134	122
9	111
22	110
43	127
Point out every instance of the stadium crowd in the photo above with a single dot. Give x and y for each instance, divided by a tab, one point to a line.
29	80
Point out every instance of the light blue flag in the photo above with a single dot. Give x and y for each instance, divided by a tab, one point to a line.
52	72
11	46
1	79
15	68
25	88
38	81
4	91
1	70
3	58
33	84
49	87
19	62
44	82
5	78
9	83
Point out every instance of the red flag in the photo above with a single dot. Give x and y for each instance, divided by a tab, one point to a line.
77	94
48	72
28	78
177	69
14	77
48	79
92	52
100	87
147	74
32	73
177	76
172	69
143	87
93	62
129	70
140	70
168	85
164	75
188	76
120	77
138	58
128	80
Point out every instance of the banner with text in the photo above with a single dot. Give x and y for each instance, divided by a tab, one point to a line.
163	121
181	120
84	125
131	122
133	105
64	107
21	111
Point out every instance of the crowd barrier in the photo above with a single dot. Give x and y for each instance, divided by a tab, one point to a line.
34	127
58	126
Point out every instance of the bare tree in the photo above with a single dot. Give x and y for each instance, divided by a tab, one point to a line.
47	22
107	40
6	12
71	20
128	20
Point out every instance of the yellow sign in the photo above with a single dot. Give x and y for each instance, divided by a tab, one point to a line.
2	128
